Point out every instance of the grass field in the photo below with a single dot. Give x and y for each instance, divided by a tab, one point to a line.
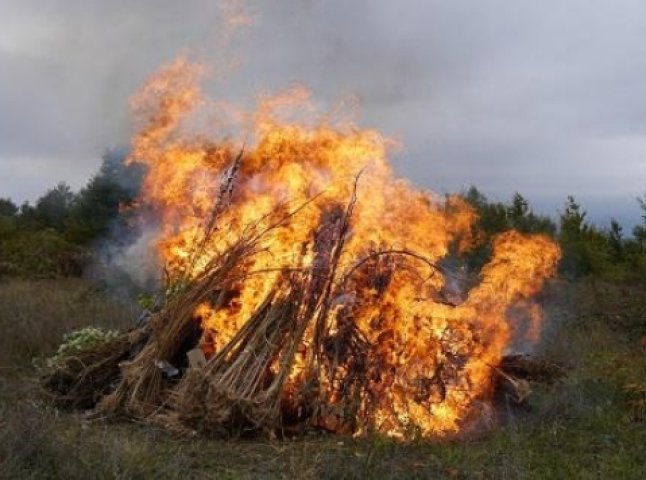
587	426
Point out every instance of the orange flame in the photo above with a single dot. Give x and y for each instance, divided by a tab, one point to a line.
430	361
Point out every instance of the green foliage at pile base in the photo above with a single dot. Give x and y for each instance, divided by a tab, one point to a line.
79	340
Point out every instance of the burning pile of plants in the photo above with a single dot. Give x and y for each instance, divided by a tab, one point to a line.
307	287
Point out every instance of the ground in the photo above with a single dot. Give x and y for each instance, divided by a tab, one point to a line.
590	425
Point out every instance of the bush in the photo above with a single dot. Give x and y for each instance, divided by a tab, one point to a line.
43	254
80	340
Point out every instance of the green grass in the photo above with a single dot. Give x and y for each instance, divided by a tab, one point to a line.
582	427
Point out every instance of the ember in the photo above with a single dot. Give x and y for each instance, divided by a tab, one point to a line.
312	279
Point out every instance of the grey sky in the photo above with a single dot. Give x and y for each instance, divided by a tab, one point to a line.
547	98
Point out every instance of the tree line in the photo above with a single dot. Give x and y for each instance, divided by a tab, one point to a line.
586	249
57	235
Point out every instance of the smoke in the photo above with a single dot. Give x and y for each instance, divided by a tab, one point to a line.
138	259
127	259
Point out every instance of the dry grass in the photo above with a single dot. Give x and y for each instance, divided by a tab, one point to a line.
36	314
579	428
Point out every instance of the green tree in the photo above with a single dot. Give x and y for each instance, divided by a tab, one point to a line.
52	209
8	217
7	208
492	216
518	209
96	208
639	232
522	218
585	249
616	241
53	236
572	225
492	219
498	217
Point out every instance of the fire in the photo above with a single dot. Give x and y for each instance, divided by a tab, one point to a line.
426	357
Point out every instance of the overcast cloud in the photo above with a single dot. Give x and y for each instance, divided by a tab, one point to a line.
547	98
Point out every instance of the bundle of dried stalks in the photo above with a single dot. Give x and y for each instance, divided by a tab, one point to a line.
237	374
143	390
242	385
516	373
532	369
83	379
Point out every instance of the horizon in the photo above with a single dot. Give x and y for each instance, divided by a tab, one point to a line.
592	215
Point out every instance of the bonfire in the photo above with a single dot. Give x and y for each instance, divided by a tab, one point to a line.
306	286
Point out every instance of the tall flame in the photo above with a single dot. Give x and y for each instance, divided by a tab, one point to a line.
430	361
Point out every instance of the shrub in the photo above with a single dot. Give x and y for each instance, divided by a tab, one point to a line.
79	340
43	253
